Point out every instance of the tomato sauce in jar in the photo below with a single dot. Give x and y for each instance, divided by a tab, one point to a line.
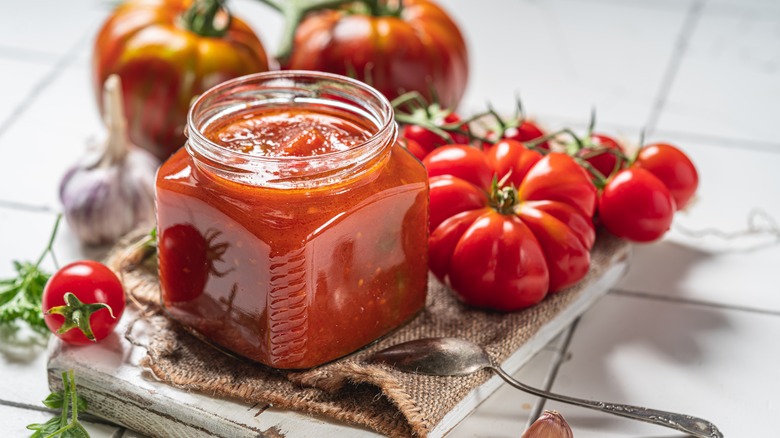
292	227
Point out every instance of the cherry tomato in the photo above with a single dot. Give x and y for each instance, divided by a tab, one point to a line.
673	168
428	140
398	47
505	247
606	162
636	206
526	132
96	289
414	148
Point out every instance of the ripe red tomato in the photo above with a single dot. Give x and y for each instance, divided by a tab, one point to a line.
167	52
636	206
606	162
414	46
505	248
428	140
414	148
95	287
526	132
673	168
187	258
490	260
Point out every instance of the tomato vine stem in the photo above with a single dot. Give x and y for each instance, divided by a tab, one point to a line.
294	11
202	18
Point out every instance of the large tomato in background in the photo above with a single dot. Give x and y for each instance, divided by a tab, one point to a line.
167	52
508	225
397	46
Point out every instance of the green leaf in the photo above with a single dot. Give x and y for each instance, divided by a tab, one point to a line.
45	429
77	314
81	403
76	430
20	297
54	400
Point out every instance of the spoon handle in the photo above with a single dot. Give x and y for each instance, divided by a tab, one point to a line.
685	423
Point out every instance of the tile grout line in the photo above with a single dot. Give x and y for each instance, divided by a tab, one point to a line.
679	300
694	13
31	56
558	359
20	206
26	406
728	142
43	83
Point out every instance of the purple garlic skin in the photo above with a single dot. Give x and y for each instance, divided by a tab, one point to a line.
550	425
104	200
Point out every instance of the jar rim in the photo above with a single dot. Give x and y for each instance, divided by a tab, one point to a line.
385	116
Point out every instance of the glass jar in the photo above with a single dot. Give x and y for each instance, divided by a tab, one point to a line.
292	226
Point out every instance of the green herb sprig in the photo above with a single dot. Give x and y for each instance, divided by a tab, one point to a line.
20	297
65	425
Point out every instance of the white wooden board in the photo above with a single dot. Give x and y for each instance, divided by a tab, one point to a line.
119	390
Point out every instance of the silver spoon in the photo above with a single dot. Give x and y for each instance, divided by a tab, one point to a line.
458	357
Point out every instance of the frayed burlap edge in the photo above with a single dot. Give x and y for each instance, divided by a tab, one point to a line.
349	390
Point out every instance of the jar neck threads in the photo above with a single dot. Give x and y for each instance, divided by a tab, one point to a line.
291	90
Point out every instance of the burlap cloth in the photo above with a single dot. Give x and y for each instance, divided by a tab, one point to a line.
390	402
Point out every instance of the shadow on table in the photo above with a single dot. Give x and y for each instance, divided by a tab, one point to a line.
21	344
660	330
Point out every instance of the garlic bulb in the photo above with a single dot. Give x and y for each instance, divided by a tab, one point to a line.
111	190
550	425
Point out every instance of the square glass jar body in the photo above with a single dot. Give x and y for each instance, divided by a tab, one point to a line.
298	274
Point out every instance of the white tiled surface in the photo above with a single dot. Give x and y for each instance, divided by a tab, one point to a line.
712	362
729	79
690	328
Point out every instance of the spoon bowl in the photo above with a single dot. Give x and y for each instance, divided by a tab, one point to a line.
459	357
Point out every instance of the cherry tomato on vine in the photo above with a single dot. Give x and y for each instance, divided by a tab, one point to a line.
605	162
527	131
636	206
428	140
83	288
508	225
524	132
414	148
673	168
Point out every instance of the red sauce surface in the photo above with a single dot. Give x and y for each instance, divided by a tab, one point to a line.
288	133
293	278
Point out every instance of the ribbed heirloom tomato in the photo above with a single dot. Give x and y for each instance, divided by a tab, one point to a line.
167	52
395	47
508	225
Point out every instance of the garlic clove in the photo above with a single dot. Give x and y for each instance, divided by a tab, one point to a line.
550	425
